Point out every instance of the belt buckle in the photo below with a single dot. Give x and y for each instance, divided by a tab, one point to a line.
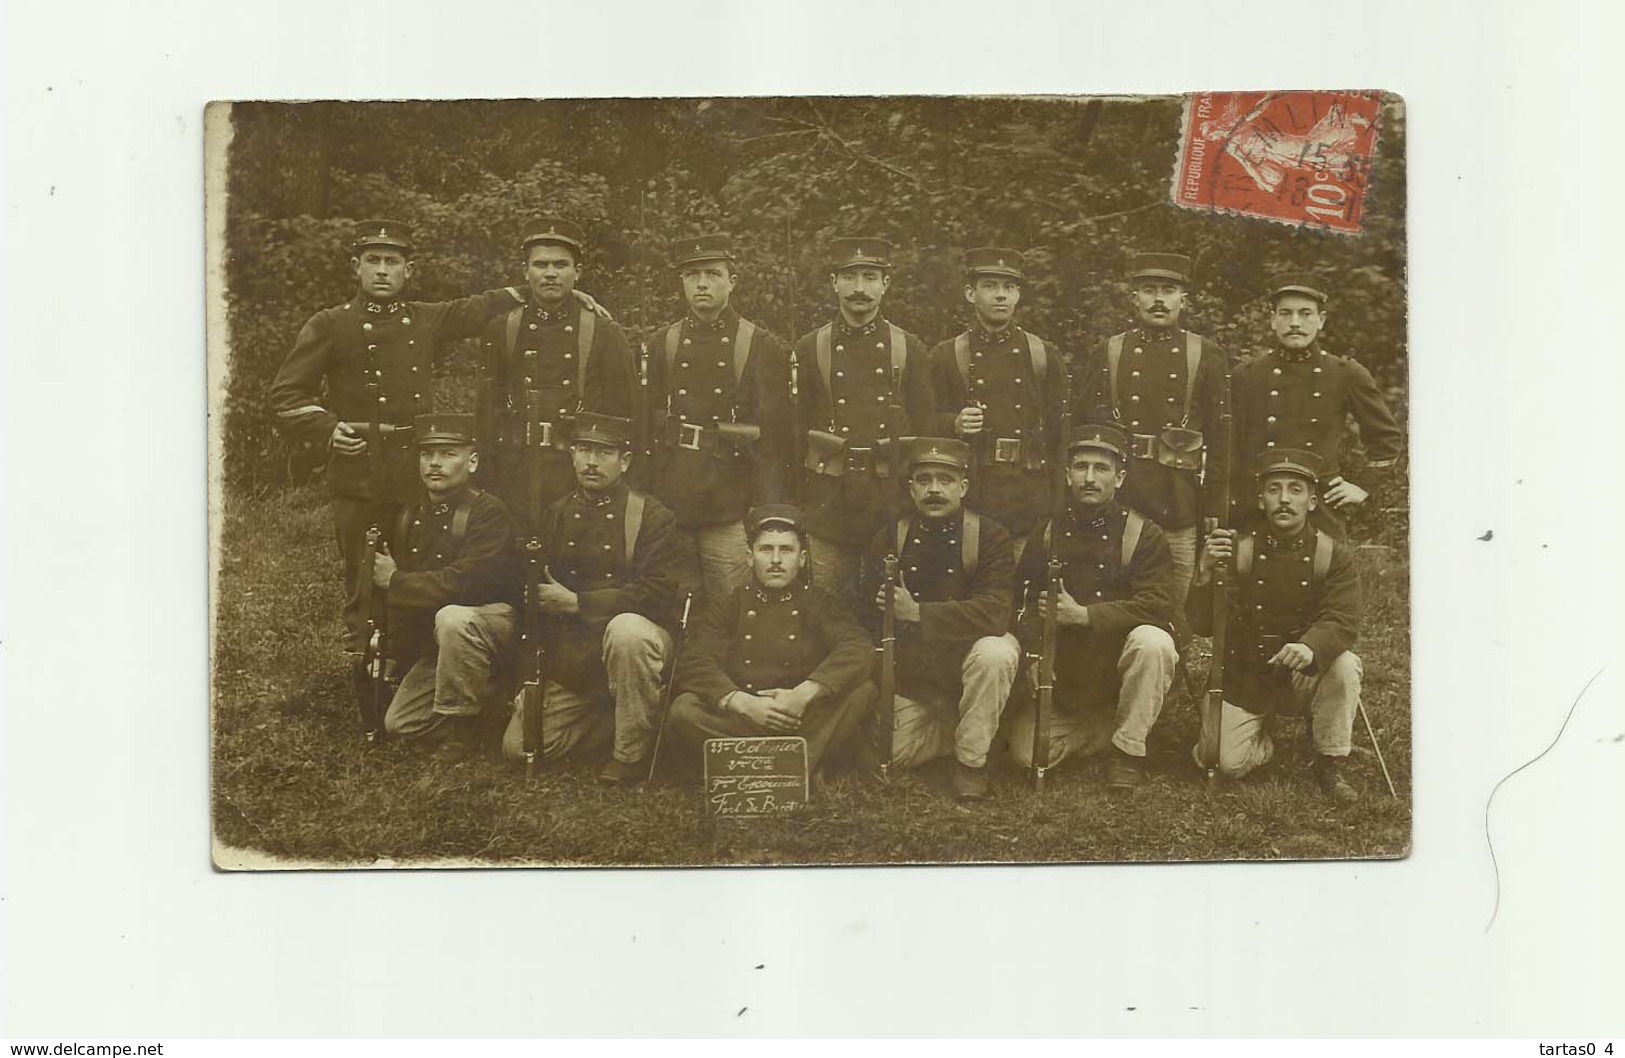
1007	450
539	434
689	434
1142	445
860	460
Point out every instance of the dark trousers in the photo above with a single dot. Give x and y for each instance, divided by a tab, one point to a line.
351	519
827	723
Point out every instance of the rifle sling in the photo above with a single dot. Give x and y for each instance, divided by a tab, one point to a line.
970	540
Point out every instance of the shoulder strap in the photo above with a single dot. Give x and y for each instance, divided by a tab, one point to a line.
962	357
747	331
405	523
902	535
899	350
459	517
634	525
1114	354
821	341
673	333
970	544
1040	357
510	336
1244	556
1048	523
584	333
1323	559
1132	528
1193	362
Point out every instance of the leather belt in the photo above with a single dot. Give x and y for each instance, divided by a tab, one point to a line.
860	460
690	435
1143	445
1005	450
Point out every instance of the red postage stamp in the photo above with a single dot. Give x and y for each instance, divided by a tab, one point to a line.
1301	158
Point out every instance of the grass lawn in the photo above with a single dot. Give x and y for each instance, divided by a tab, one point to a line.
293	782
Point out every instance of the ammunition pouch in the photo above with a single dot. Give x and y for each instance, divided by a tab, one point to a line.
826	453
1180	448
737	437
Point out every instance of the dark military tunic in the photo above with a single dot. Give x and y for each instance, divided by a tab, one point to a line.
362	339
851	507
1152	376
434	569
756	639
1287	399
957	607
1016	404
1118	597
717	482
530	348
1279	602
583	545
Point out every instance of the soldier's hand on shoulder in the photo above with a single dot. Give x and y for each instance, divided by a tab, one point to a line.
1345	493
346	441
969	421
1294	656
590	303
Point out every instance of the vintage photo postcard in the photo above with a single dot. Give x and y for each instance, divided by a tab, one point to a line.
751	481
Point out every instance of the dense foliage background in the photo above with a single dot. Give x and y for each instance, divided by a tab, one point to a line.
1080	184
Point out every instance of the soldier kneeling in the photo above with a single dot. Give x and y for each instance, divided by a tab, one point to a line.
777	656
601	584
1294	611
451	592
955	658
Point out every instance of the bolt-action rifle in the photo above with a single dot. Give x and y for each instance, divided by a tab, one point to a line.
888	610
376	668
796	438
671	676
1213	700
532	638
1044	707
640	411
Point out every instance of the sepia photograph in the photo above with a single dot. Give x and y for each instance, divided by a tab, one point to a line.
809	480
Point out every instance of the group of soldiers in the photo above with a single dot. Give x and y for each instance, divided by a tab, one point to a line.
859	539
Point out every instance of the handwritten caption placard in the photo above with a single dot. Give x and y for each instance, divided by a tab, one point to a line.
755	776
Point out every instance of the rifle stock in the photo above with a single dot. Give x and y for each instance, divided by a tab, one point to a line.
1046	676
1213	700
671	676
373	690
888	610
532	663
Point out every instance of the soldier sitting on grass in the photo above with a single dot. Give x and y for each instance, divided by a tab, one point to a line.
453	589
1294	612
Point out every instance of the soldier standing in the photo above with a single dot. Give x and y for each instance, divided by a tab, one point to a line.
1166	386
541	363
1000	389
613	560
453	591
776	656
719	399
1294	613
854	370
1300	396
372	356
1114	646
956	660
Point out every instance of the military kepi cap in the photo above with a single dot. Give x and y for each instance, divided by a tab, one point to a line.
1106	436
602	429
555	230
944	451
775	515
1288	461
856	251
717	246
1174	266
382	233
443	428
1307	285
994	261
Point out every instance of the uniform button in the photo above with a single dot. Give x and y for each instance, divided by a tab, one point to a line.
578	515
416	522
414	368
682	393
882	371
846	429
366	326
750	613
1315	394
1135	396
569	543
950	569
840	400
840	374
1314	420
1317	370
411	341
1018	381
406	319
1137	349
840	348
688	341
717	391
610	516
417	396
1170	400
606	547
1269	444
1309	444
795	613
533	326
880	399
1099	595
566	382
1136	422
1275	371
1304	583
414	551
568	329
1173	375
527	379
722	363
1277	393
370	347
1270	419
724	341
569	356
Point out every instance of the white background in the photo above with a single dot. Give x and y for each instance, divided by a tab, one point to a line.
115	925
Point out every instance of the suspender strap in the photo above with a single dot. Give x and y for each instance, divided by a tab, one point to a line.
459	517
1040	357
673	333
962	357
584	332
1114	355
902	535
1047	534
404	524
822	352
1193	361
1323	559
747	331
1131	536
634	524
510	334
899	350
1244	556
970	544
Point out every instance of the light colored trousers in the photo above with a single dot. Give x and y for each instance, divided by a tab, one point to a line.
453	679
929	727
635	652
1145	667
1331	699
724	557
1182	543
